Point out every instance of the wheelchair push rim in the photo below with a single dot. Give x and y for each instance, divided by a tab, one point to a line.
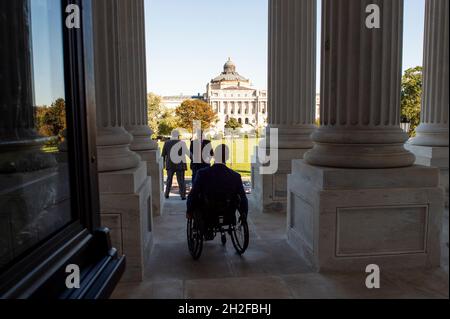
240	235
194	239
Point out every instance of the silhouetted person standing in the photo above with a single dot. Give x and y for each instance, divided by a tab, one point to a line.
201	153
174	155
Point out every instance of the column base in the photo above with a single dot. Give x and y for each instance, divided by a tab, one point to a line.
269	192
125	208
155	170
436	157
346	219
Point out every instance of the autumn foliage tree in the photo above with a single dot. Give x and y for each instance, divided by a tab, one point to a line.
195	110
51	121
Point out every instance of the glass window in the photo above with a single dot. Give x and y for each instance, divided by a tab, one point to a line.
35	198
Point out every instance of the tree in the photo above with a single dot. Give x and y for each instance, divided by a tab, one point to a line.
154	111
233	124
411	96
51	121
195	110
167	122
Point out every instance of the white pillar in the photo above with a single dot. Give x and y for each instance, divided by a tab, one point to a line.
292	71
362	201
132	42
113	141
123	182
292	90
431	142
134	92
360	89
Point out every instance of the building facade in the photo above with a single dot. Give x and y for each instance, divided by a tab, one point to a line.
233	96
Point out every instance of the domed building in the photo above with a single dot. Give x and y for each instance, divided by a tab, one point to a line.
231	95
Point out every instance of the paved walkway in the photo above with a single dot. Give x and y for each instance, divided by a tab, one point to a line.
269	269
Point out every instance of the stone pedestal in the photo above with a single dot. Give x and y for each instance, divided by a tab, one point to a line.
435	157
269	191
125	203
292	98
346	219
155	170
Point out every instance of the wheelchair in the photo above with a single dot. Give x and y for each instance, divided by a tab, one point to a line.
217	214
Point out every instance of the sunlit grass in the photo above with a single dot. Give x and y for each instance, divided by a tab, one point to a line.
241	151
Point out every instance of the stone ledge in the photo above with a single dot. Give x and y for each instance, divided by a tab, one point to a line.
341	178
123	182
430	155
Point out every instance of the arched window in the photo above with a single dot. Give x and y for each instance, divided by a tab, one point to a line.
240	121
246	121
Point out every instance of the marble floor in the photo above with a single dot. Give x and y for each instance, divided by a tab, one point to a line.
269	269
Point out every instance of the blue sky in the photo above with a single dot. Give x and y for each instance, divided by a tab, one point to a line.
48	64
189	41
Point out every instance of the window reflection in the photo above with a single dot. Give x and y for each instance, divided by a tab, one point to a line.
34	172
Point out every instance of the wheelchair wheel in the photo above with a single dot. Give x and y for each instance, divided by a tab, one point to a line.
240	236
194	238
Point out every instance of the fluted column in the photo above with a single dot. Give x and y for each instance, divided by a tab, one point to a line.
360	88
292	67
113	140
133	74
433	129
19	142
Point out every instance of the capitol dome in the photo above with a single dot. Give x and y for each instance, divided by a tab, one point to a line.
229	66
229	73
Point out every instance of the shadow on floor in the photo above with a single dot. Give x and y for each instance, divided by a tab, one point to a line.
270	268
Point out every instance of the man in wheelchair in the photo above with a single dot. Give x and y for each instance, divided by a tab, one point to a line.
216	195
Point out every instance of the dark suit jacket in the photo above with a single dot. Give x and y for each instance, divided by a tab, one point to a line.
182	151
204	163
217	179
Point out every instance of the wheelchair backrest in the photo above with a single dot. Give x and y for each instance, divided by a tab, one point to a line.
221	203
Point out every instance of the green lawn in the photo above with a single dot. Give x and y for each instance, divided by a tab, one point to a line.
241	151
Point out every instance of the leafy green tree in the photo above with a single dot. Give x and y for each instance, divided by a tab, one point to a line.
411	97
195	110
167	122
154	111
233	124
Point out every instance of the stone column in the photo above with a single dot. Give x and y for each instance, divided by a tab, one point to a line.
360	89
292	88
134	92
113	141
431	142
357	199
123	182
20	144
